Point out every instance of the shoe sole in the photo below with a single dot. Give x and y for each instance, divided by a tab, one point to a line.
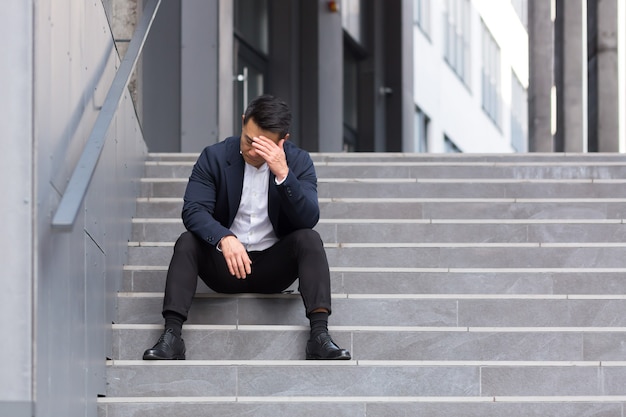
319	358
157	358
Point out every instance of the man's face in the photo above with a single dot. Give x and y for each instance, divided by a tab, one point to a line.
249	131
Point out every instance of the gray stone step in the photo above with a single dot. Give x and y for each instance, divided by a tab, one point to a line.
438	255
371	310
422	230
425	208
413	169
411	344
436	281
360	379
432	188
338	157
431	407
543	158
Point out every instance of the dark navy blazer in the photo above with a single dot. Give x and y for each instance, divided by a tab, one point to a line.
214	191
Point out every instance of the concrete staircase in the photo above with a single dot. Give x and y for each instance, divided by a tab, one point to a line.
463	285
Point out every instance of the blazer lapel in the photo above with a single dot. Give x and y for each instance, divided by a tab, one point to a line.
273	201
233	178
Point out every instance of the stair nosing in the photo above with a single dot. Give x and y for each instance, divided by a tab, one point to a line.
327	220
425	180
381	329
392	296
368	363
425	270
426	200
366	399
354	245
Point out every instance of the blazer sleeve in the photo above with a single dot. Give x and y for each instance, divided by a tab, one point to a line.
298	193
201	199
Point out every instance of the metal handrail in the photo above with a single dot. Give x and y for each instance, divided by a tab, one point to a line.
76	190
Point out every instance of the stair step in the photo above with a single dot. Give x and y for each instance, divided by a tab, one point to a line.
570	406
367	310
437	208
525	158
414	169
363	379
387	157
414	343
405	255
425	281
432	188
427	231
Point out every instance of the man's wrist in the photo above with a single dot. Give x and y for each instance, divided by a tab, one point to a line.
218	247
280	181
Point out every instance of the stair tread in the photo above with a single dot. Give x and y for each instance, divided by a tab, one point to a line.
347	379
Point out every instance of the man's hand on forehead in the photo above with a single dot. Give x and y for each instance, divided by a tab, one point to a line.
273	154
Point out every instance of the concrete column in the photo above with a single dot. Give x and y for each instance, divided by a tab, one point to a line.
330	73
541	61
199	74
408	101
161	80
321	97
608	83
570	41
226	101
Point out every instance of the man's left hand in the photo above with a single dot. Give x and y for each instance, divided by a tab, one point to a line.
273	154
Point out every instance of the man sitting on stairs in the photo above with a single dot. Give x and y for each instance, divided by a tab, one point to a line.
249	209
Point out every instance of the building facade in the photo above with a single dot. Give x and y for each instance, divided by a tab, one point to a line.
470	76
344	67
404	75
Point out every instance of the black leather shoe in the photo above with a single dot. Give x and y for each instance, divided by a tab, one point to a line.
323	347
168	347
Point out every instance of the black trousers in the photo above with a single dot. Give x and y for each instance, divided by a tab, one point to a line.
298	255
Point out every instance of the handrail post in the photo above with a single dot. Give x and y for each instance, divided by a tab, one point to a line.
76	189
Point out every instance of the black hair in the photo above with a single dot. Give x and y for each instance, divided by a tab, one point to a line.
269	113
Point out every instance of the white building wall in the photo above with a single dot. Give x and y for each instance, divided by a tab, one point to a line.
455	109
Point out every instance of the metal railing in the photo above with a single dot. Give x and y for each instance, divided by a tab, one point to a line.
77	187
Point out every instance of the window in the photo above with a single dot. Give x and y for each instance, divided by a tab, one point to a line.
521	8
351	18
449	145
251	23
421	15
519	115
422	122
491	76
457	37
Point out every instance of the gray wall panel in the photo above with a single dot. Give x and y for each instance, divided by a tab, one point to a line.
16	409
75	62
16	188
